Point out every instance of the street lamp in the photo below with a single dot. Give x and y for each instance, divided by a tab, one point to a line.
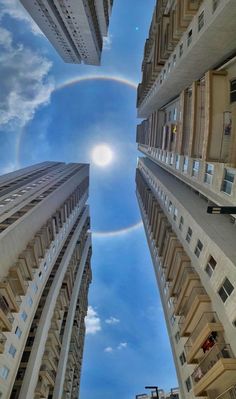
155	388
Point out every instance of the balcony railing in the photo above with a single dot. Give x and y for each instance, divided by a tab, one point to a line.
6	310
190	299
185	275
207	318
217	352
229	394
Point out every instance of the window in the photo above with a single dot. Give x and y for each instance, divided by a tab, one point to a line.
172	319
177	337
34	288
195	169
181	49
188	384
215	4
175	214
12	350
40	276
175	114
227	183
172	159
185	165
234	322
18	332
170	207
177	162
198	248
4	371
201	21
210	267
226	289
190	36
169	116
182	358
189	235
29	301
169	66
208	173
174	59
181	223
233	91
23	315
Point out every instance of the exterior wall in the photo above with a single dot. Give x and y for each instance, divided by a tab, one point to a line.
75	28
175	201
44	281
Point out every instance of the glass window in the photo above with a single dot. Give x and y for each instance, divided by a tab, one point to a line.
169	66
170	207
198	248
233	91
175	214
177	337
40	276
181	49
208	173
34	288
189	235
195	169
172	159
201	21
182	358
23	315
215	4
190	36
172	319
228	181
210	267
29	301
174	59
188	384
226	289
4	372
18	332
181	223
185	165
175	114
12	350
177	162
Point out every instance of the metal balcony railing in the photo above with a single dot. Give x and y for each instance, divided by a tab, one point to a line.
229	394
217	352
208	317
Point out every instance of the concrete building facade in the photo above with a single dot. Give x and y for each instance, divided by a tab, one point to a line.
187	98
75	28
45	273
173	394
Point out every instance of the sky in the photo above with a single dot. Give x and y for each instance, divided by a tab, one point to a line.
44	118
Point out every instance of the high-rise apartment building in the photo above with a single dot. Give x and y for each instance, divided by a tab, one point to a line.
173	394
75	28
188	99
45	248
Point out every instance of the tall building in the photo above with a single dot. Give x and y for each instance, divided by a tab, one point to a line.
173	394
45	248
75	28
187	98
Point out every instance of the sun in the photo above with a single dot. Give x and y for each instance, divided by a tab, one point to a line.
102	155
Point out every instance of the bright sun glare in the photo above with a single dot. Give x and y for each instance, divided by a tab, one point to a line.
102	155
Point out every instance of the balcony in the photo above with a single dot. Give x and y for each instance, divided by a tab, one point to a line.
2	342
42	388
7	293
216	372
49	375
195	305
207	324
173	247
6	318
18	281
186	283
228	394
181	263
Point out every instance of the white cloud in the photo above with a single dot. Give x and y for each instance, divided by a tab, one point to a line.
92	321
25	86
112	320
15	10
107	42
122	345
108	349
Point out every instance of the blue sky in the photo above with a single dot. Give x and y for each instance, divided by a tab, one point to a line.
126	345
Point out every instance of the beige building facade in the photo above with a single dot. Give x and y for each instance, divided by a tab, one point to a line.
45	273
187	98
75	28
